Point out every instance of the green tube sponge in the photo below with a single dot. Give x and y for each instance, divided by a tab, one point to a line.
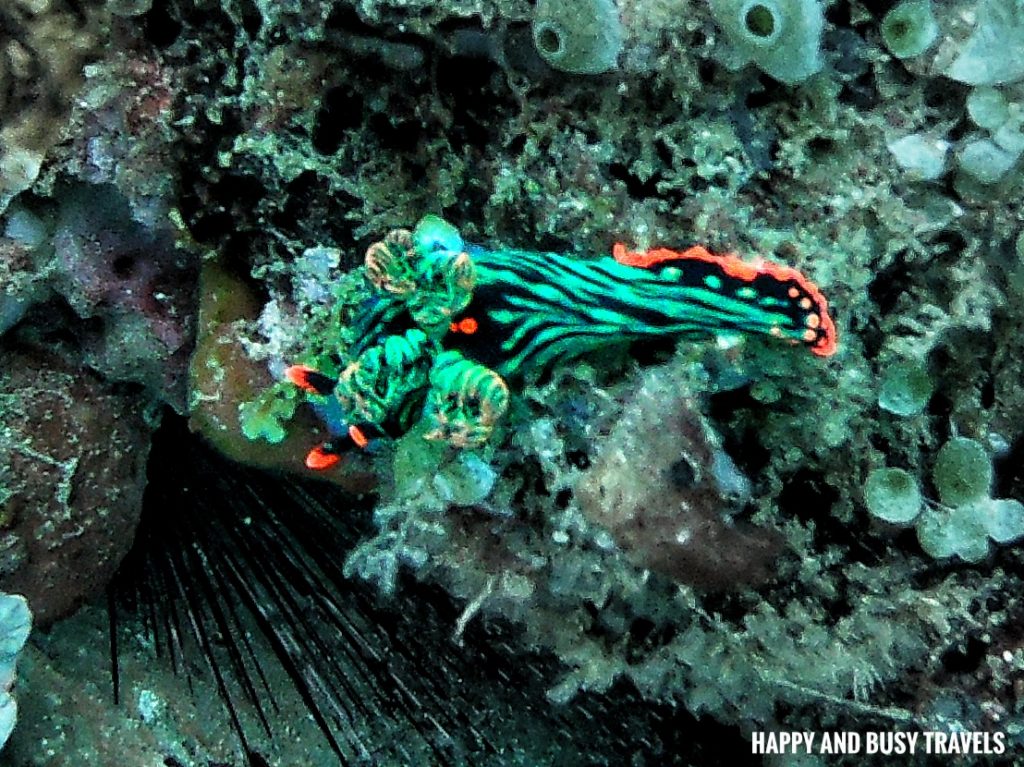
583	37
906	388
985	161
1004	519
963	472
965	530
987	107
892	495
910	28
782	37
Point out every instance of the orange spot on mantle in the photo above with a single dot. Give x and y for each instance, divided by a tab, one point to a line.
357	436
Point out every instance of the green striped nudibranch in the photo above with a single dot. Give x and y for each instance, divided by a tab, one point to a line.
530	310
467	319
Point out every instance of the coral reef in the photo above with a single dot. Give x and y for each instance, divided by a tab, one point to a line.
876	148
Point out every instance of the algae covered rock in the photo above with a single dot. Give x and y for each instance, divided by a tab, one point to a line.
663	487
994	54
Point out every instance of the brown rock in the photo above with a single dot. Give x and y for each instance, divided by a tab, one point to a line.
659	485
72	472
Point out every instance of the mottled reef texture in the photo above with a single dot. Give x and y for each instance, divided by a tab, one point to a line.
72	471
267	143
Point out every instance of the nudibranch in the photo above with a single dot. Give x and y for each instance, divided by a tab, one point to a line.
450	323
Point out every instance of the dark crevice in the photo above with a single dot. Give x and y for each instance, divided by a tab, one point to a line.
161	25
578	459
890	284
246	574
395	135
341	112
252	19
735	407
861	92
1009	472
806	496
966	658
471	94
238	196
638	189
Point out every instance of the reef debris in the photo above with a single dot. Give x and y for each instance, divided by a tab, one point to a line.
662	485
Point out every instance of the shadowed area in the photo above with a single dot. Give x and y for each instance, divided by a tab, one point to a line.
236	579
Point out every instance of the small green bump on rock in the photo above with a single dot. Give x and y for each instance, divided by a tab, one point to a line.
583	37
923	157
985	161
987	108
961	532
892	495
264	418
1004	519
910	28
906	388
963	472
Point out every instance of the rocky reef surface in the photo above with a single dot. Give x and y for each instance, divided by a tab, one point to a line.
768	538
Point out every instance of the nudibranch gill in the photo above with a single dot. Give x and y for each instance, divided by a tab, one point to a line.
450	323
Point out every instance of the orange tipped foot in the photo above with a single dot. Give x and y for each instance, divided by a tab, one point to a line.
320	458
309	380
